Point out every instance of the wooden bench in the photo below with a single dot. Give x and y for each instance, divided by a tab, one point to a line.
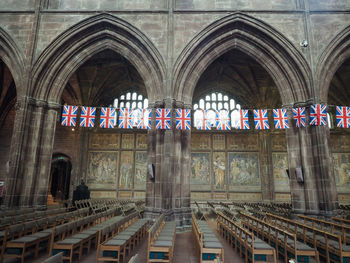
253	249
284	242
210	248
161	241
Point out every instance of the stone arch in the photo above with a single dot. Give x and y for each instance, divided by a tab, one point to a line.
254	37
12	57
87	38
333	56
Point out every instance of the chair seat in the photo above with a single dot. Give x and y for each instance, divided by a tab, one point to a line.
115	242
262	245
24	239
163	243
300	246
80	236
69	241
41	234
90	232
210	239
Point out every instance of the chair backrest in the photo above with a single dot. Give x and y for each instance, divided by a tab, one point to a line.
58	258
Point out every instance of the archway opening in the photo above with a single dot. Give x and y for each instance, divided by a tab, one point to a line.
339	95
8	98
61	168
112	161
237	164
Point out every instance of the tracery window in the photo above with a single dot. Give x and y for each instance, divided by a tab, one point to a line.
211	103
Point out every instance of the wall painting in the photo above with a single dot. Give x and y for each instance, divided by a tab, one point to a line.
200	141
104	140
141	141
341	164
127	141
126	170
200	176
280	165
102	170
247	142
219	167
140	170
244	172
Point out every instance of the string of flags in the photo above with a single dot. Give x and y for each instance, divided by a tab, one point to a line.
205	119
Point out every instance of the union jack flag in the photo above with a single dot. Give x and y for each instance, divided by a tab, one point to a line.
343	117
69	115
145	122
318	115
163	118
280	118
108	117
204	123
87	117
243	120
223	121
299	116
125	118
261	119
183	119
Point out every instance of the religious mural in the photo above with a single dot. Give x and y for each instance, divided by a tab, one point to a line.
244	171
200	176
279	142
341	162
280	165
127	141
102	170
218	142
125	170
219	167
104	140
140	170
200	141
242	142
141	141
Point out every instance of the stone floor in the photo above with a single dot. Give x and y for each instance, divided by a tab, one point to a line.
185	251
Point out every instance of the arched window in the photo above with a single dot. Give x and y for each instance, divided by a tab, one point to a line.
213	102
131	100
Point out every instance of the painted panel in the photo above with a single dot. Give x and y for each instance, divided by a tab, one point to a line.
280	165
219	167
103	194
139	195
245	196
102	170
125	194
219	142
279	142
141	141
244	172
200	196
200	141
104	140
220	196
140	170
283	197
344	199
127	141
126	170
341	163
200	176
245	142
340	143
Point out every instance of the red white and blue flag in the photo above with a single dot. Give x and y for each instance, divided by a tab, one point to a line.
203	123
69	115
318	115
261	119
343	117
183	119
243	120
108	117
223	121
280	118
163	118
125	118
145	122
299	116
87	117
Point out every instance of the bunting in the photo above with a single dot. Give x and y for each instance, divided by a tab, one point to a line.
145	122
87	117
183	119
108	118
343	117
299	117
125	118
243	122
318	115
204	123
261	119
69	115
280	118
163	118
223	121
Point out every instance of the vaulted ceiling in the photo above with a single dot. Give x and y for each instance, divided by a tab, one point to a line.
7	91
101	79
339	90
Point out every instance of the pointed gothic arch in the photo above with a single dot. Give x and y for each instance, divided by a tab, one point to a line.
254	37
12	57
87	38
333	56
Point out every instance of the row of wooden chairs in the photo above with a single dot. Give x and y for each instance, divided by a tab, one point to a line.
123	241
209	247
244	242
328	244
285	242
161	241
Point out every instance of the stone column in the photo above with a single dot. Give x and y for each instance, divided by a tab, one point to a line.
266	172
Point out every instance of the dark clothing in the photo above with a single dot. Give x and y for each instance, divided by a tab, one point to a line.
81	192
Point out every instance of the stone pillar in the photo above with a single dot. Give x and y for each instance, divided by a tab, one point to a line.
266	172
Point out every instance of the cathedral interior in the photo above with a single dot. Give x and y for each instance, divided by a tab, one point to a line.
202	194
